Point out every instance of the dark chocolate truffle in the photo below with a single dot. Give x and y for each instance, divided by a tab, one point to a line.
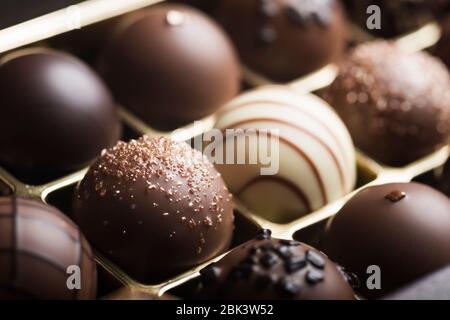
155	207
396	104
267	269
403	228
56	114
285	39
39	250
397	17
170	65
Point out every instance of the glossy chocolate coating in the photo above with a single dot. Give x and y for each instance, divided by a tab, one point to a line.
170	65
38	243
154	207
397	16
267	269
285	39
56	114
395	104
404	228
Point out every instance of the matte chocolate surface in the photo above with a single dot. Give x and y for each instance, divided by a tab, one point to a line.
395	104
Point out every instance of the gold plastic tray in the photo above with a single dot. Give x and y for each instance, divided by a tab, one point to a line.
306	228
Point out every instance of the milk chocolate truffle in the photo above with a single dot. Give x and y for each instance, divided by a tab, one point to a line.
40	250
396	104
268	269
155	207
403	228
170	65
285	39
56	113
397	17
310	155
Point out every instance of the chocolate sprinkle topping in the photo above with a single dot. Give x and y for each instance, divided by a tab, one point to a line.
314	276
264	234
288	287
315	259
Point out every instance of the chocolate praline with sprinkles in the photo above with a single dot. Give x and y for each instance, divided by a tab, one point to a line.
40	250
396	104
285	39
257	270
402	228
155	207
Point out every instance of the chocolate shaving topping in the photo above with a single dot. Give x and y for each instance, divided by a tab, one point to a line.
295	264
292	243
264	234
314	276
288	287
284	251
269	259
315	259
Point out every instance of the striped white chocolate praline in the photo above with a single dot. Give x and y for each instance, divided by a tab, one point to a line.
316	154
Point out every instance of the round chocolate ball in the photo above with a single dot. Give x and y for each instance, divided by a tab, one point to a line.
310	152
170	65
285	39
269	269
397	17
395	104
56	113
41	249
402	228
155	207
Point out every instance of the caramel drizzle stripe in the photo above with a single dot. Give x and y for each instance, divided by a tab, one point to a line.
308	133
289	106
280	180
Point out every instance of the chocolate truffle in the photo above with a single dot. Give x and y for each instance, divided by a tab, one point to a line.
396	104
313	162
40	250
403	228
285	39
56	114
170	65
269	269
154	207
397	17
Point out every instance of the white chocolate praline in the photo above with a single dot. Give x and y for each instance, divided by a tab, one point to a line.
316	155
